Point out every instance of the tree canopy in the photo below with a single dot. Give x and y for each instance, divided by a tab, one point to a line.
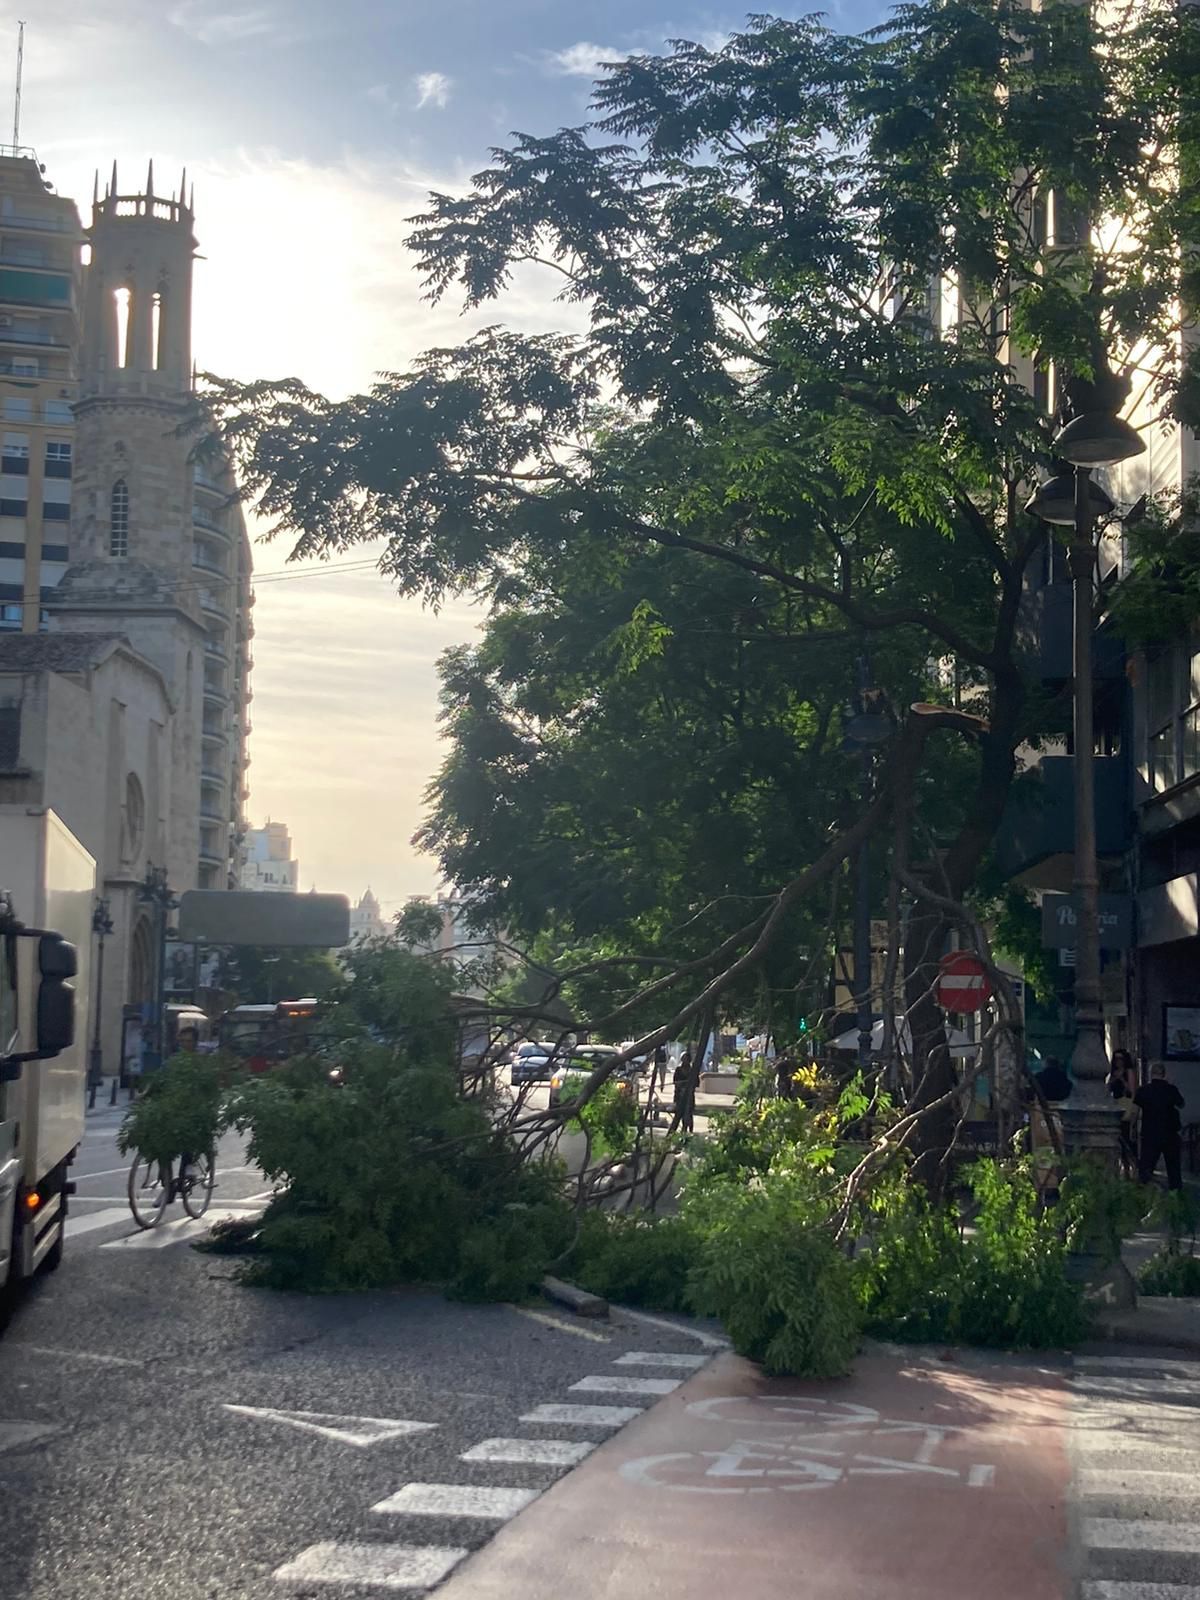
828	286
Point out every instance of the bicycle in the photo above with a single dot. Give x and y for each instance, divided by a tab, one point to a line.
153	1184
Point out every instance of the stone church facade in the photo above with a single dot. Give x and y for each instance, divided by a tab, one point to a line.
144	659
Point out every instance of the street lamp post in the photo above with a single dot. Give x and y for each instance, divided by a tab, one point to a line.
102	926
869	725
155	891
1094	437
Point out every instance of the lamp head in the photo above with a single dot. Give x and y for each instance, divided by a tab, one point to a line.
1097	439
1054	501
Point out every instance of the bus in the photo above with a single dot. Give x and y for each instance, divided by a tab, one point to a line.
266	1034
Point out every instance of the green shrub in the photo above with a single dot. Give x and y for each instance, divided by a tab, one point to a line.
635	1261
1170	1273
769	1268
389	1176
610	1117
181	1108
1000	1282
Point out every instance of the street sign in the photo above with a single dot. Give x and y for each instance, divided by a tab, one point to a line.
963	983
1114	921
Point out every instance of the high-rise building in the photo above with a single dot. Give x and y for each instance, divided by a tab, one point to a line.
158	544
267	861
40	238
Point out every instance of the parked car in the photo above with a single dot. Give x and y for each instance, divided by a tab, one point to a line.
584	1060
532	1062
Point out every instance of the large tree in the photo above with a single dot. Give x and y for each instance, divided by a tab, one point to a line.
810	265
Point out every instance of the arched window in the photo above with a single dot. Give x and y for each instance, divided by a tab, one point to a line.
118	519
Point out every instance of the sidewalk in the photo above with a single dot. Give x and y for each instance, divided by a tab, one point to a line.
936	1479
1158	1320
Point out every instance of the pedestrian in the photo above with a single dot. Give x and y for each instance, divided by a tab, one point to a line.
784	1080
658	1072
1160	1103
684	1084
1122	1083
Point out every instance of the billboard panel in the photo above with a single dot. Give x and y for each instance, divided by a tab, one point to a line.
242	916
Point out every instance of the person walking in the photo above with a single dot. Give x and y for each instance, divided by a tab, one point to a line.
658	1073
684	1084
785	1083
1160	1103
1122	1083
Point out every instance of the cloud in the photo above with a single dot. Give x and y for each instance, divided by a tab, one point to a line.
201	23
380	94
582	60
433	89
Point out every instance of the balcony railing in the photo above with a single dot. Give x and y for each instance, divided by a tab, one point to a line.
204	519
31	336
27	219
213	775
216	694
215	650
212	601
214	735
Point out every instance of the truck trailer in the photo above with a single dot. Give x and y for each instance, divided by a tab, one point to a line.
47	895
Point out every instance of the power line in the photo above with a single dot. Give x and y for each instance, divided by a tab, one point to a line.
268	577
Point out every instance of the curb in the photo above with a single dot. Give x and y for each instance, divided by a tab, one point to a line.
1158	1320
577	1300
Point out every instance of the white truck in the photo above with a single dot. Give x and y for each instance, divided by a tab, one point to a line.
47	894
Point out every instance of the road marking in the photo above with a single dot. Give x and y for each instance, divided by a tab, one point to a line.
647	1358
981	1477
1111	1442
710	1341
531	1452
1183	1369
95	1356
609	1384
14	1434
181	1228
109	1172
1105	1590
1137	1388
458	1500
384	1566
96	1219
585	1416
1115	1480
361	1431
1114	1533
563	1327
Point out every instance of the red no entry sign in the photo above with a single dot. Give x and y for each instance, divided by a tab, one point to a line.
963	983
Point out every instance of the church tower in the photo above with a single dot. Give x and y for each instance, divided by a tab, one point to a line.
158	548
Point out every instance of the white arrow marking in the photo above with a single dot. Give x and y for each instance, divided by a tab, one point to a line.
361	1431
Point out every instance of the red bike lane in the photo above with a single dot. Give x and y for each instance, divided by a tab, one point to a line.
912	1477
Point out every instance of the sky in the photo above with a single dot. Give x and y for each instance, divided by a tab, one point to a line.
312	131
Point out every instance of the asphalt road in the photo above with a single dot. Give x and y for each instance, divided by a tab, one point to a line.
125	1470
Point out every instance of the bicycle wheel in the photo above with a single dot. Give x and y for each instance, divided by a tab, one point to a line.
196	1176
149	1190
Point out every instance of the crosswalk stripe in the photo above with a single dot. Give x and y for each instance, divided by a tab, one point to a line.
650	1358
1115	1533
1116	1480
532	1452
175	1232
1164	1364
610	1384
1110	1445
585	1416
386	1566
1147	1388
76	1225
458	1500
1106	1589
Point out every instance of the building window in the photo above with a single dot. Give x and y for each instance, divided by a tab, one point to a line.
118	519
59	411
56	511
13	508
17	409
14	455
1162	704
10	616
58	459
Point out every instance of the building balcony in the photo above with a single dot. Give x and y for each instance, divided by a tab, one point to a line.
1051	618
214	736
32	223
1036	836
34	336
216	819
215	650
210	524
214	777
215	604
212	858
215	695
206	562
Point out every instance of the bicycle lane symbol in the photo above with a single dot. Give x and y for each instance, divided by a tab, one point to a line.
848	1442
